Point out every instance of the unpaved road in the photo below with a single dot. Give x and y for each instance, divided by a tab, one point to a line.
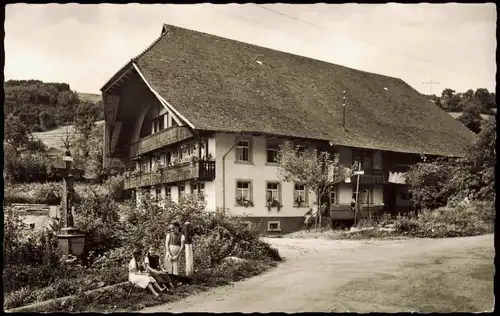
425	275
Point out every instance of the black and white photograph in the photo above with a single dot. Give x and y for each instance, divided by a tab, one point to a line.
249	157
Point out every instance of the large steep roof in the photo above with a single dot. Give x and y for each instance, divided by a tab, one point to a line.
220	84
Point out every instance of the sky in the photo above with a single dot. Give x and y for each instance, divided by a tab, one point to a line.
85	45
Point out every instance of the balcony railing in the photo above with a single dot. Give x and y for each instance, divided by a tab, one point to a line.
372	177
155	141
345	211
200	170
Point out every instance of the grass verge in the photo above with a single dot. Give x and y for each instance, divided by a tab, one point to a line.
130	298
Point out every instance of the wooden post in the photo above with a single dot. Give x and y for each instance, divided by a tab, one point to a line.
200	142
356	206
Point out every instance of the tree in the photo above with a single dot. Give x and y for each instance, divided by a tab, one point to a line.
471	117
486	99
482	158
317	170
435	183
46	121
16	133
450	100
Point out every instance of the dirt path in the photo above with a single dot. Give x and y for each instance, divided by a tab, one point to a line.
361	276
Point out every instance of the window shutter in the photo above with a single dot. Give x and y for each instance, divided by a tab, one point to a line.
250	189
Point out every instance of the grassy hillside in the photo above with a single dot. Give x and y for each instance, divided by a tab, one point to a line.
53	138
91	97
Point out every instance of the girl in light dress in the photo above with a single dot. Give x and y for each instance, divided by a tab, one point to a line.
138	275
174	246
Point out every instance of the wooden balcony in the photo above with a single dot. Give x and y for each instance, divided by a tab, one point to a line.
158	140
201	170
372	177
345	211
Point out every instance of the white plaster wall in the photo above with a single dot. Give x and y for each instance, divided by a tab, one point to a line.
210	196
258	172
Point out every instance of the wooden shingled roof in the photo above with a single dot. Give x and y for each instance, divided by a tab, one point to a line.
219	84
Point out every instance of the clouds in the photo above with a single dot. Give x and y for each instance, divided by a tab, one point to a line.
86	44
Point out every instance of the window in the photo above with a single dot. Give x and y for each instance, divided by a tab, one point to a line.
333	195
168	192
365	158
158	123
365	196
273	226
357	158
182	191
204	148
243	151
244	190
300	195
273	192
199	188
158	192
272	152
161	122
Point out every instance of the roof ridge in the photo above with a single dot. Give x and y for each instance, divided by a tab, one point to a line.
166	26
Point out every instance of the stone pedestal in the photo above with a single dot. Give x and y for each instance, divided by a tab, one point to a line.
71	241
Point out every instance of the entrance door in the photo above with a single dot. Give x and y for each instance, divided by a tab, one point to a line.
390	198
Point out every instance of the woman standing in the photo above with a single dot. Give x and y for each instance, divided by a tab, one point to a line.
138	276
174	246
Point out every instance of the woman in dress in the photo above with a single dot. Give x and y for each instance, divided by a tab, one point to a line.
152	262
138	275
174	246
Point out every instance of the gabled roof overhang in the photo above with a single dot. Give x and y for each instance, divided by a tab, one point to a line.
119	77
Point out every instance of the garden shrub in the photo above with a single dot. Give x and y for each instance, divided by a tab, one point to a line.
28	247
33	193
114	187
216	235
17	298
26	166
97	216
454	220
